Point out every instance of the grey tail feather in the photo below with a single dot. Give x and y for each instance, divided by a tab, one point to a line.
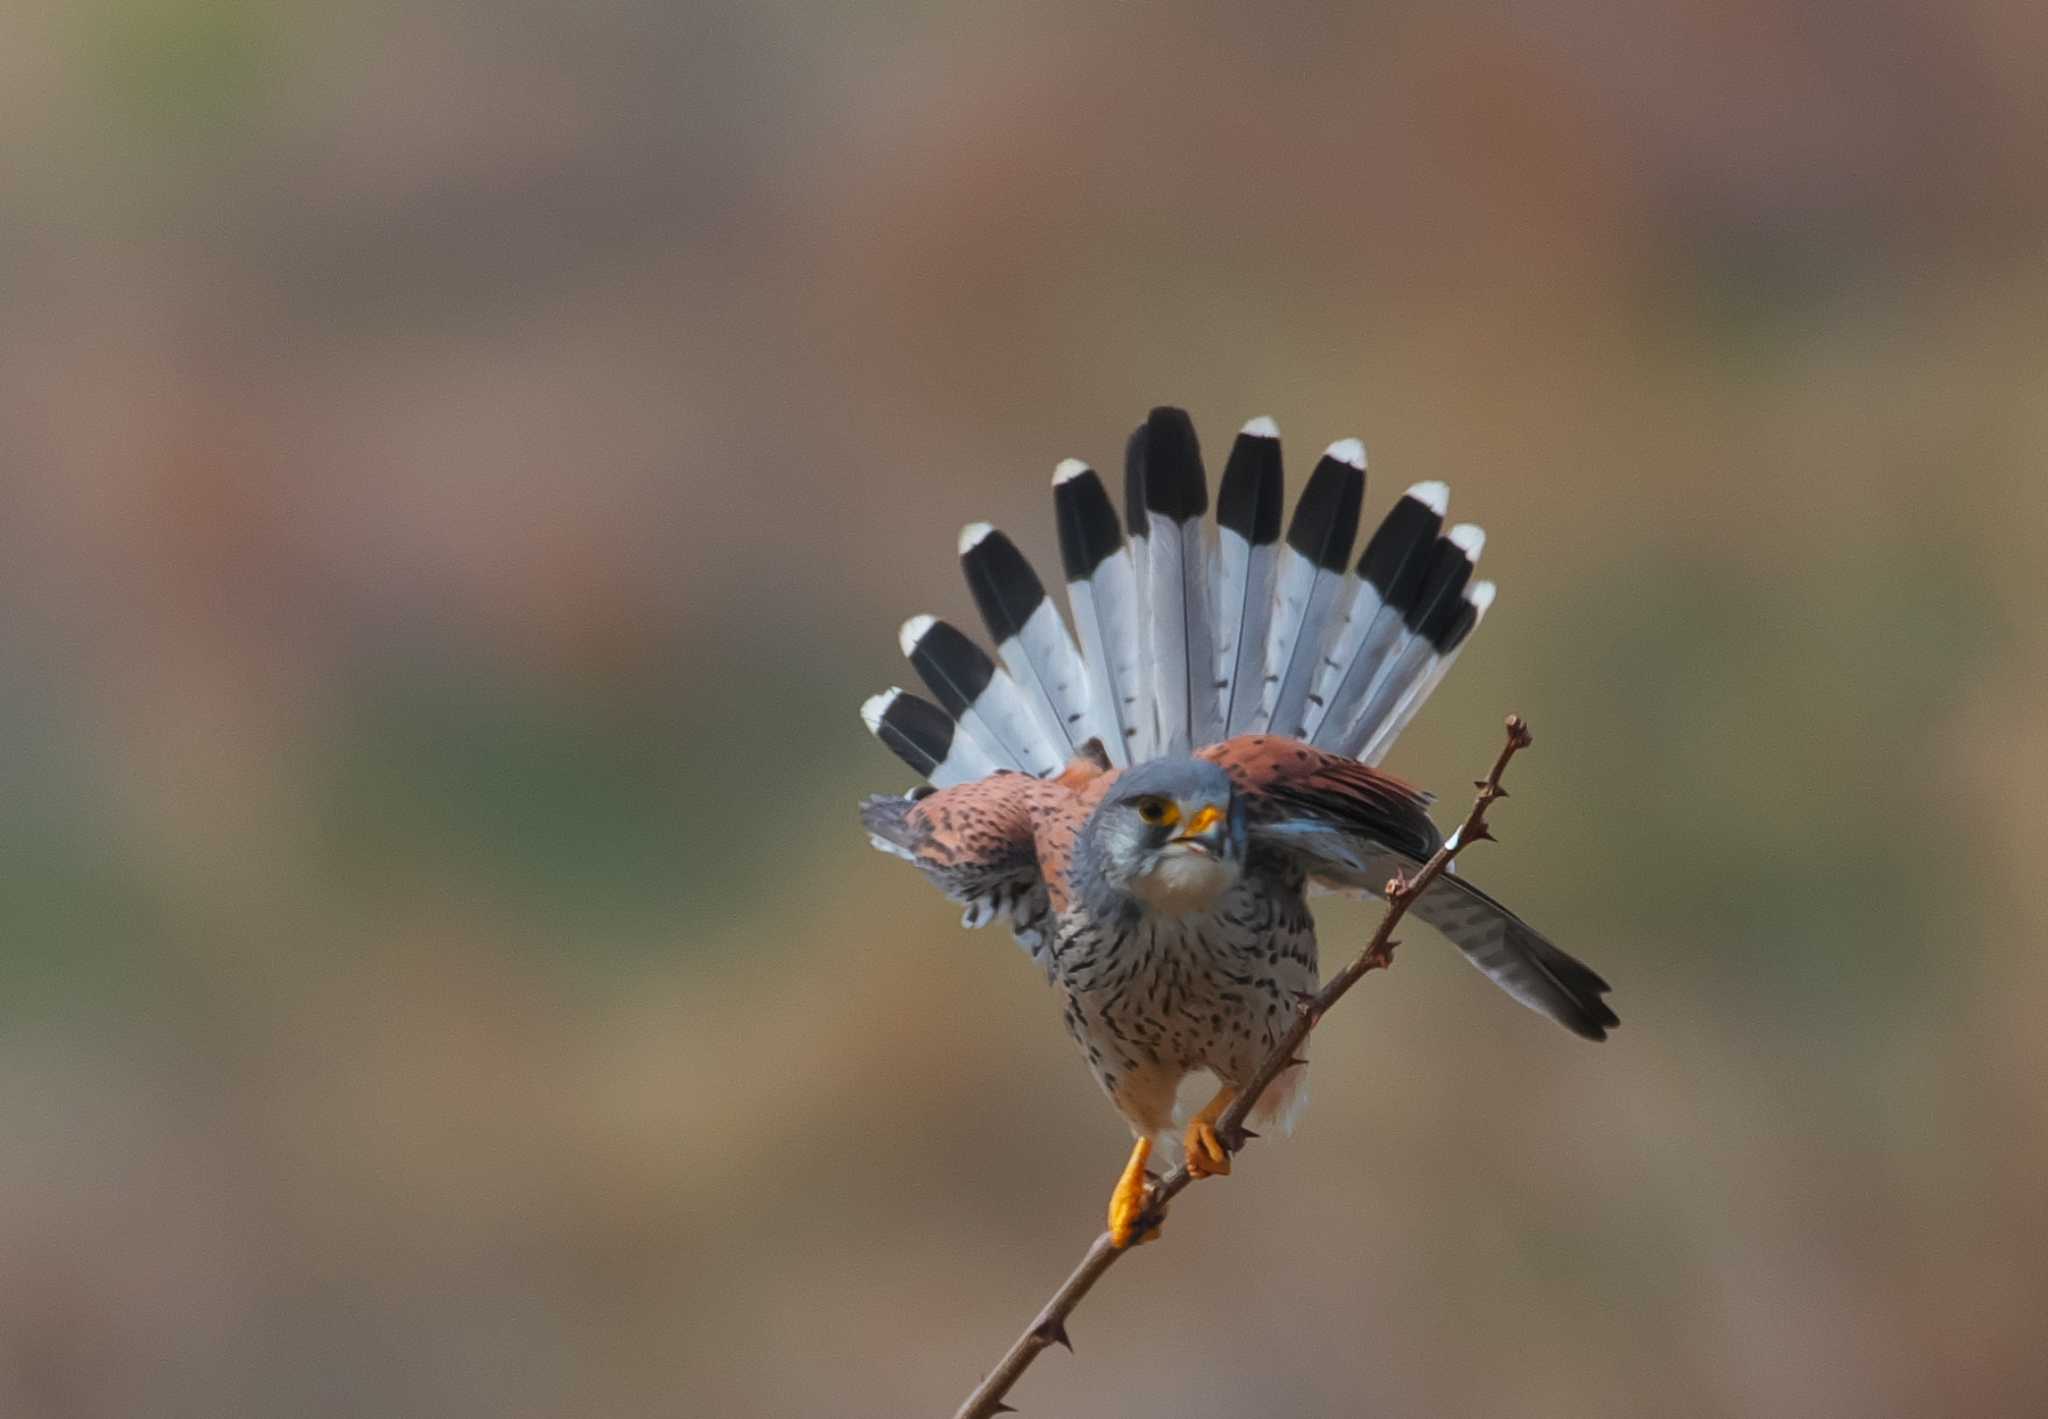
1398	667
984	702
1248	507
1386	582
1030	637
926	738
1166	464
1309	585
1103	597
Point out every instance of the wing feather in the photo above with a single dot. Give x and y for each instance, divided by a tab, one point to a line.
1352	827
977	842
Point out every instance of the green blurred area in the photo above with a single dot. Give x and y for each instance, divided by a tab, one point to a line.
463	468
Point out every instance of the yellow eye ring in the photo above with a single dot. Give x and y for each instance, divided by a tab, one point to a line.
1159	812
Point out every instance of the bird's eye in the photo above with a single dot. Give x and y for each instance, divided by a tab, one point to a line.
1159	812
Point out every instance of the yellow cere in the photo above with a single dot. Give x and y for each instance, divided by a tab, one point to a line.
1205	818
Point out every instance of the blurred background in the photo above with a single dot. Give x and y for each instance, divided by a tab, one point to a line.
464	466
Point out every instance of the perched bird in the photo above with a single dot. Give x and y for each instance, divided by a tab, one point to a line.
1148	811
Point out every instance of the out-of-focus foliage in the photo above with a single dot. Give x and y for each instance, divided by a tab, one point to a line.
463	465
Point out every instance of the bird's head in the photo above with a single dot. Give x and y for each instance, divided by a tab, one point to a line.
1169	834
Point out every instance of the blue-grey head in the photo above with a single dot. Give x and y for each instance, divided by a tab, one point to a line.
1168	837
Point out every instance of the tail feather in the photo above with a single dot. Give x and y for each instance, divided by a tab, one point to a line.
923	736
1476	601
1138	533
980	696
1102	591
1427	626
1029	635
1309	584
1185	637
1389	578
1248	506
1183	654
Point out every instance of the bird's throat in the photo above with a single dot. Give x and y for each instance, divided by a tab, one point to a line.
1184	881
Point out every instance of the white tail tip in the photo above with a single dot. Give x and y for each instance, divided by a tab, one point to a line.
1351	451
1261	428
913	632
1069	469
972	534
1433	495
1470	539
1481	597
874	707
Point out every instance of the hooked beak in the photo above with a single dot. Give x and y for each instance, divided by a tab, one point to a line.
1204	830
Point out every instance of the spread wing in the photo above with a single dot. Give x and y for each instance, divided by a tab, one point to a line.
977	842
1350	826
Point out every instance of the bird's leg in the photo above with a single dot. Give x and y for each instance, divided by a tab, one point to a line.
1206	1154
1128	1204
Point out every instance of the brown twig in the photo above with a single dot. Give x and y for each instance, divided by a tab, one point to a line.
1049	1326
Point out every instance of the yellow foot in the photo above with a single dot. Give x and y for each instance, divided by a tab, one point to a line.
1132	1198
1207	1157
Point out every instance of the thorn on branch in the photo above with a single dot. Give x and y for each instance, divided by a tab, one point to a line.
1054	1332
1002	1408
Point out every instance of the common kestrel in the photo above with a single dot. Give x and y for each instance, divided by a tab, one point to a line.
1148	812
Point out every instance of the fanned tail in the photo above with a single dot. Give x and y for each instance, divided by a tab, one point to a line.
1248	506
1183	643
1102	591
1309	585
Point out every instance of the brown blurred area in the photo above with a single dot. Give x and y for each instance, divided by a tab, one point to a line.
461	468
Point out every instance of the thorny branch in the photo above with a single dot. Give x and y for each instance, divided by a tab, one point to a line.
1049	1326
